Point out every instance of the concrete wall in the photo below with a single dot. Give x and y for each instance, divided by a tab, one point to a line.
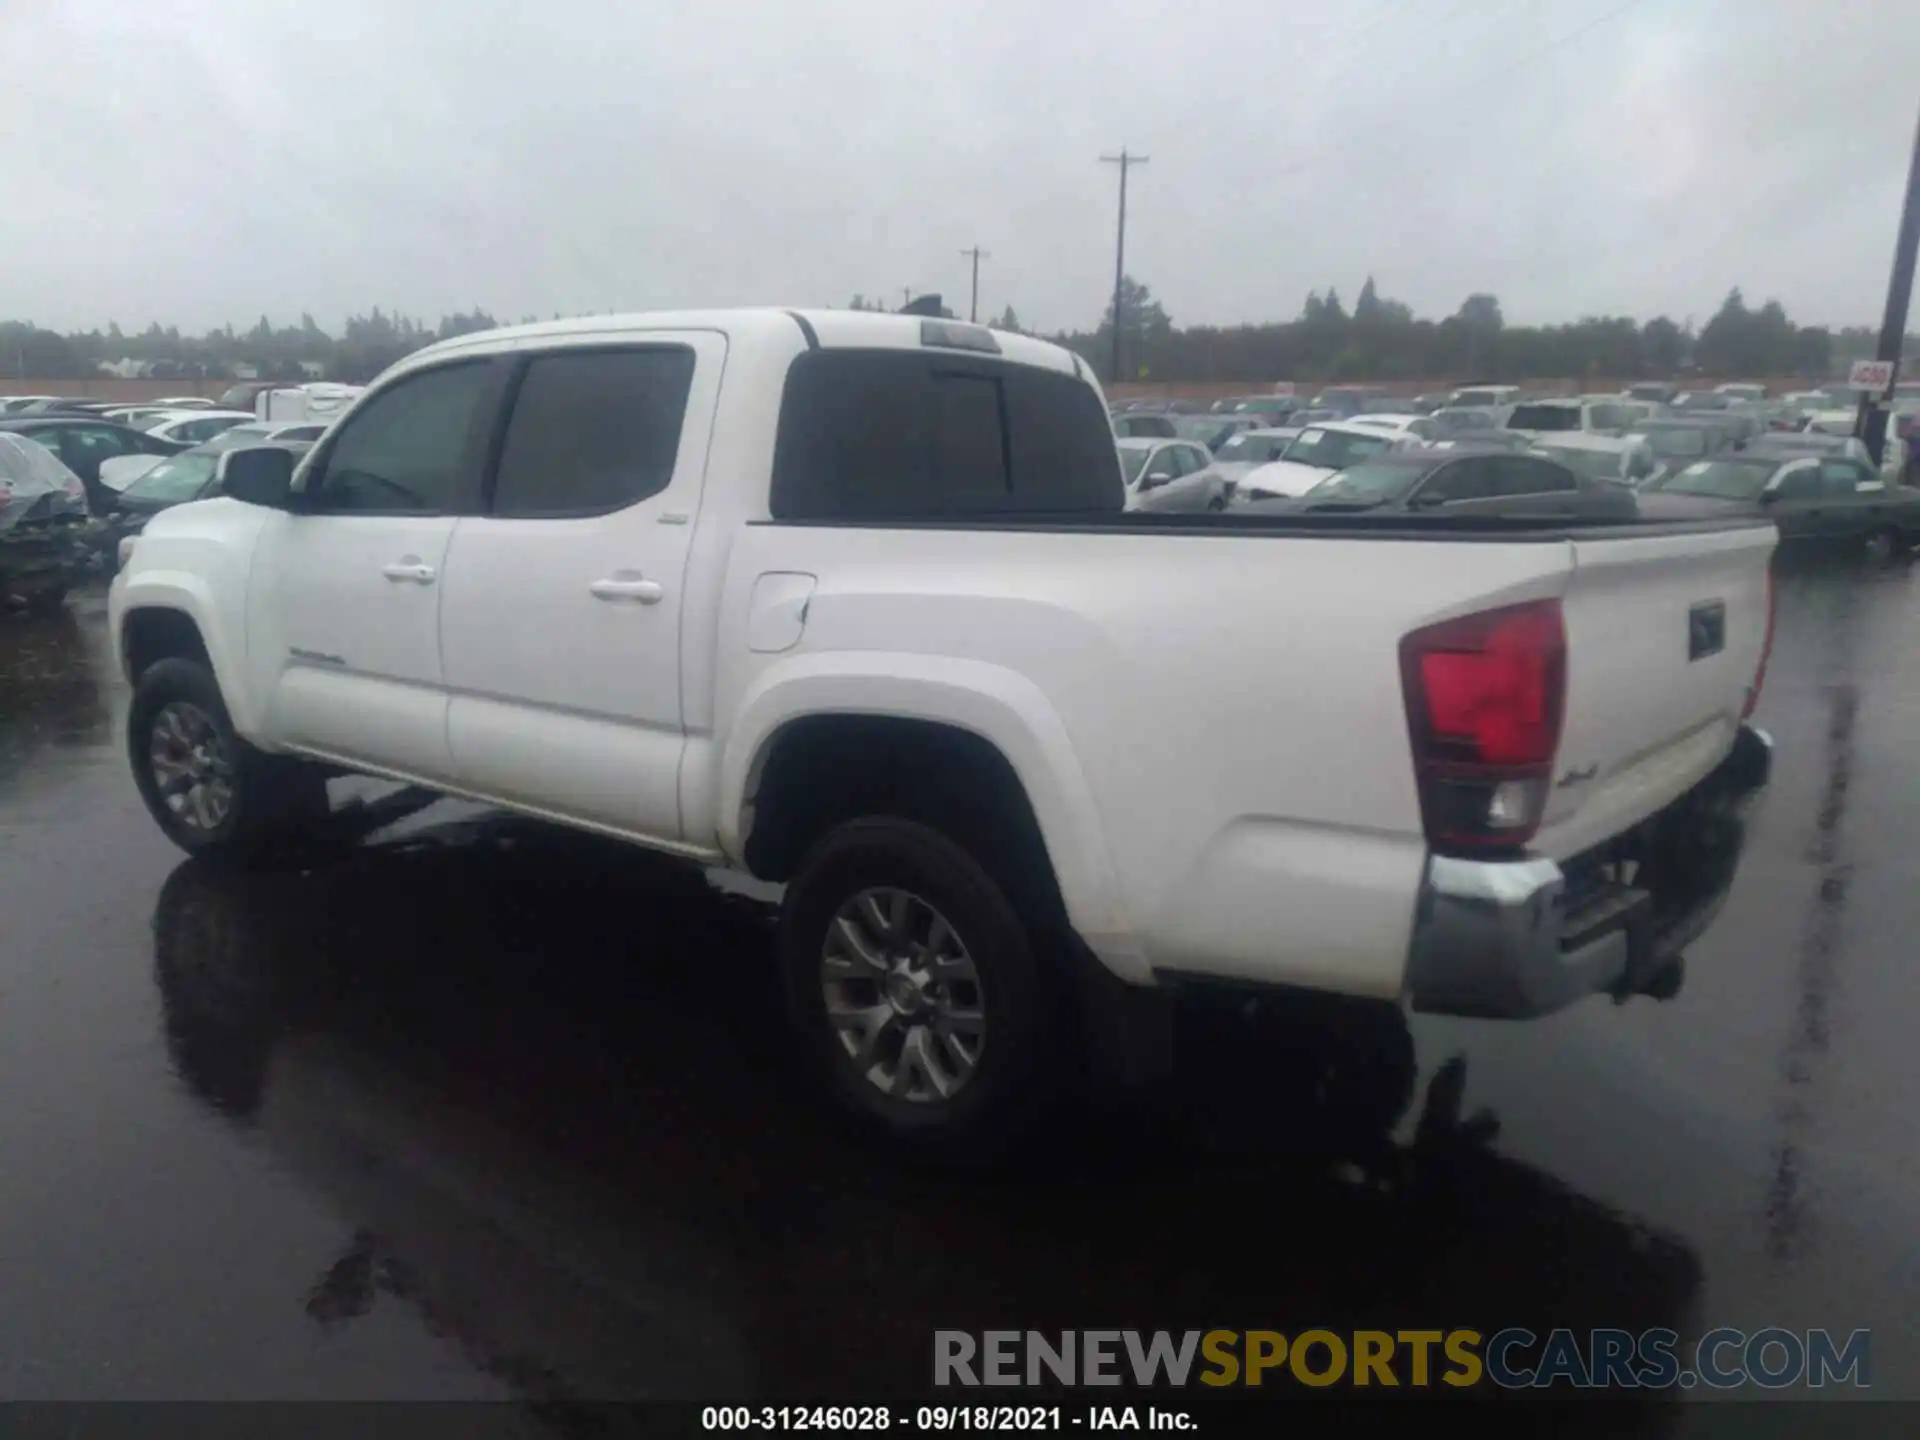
108	387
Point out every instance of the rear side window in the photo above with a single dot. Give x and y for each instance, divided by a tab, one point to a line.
1523	475
904	434
593	431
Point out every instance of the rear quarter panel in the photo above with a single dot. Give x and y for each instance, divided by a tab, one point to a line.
1210	725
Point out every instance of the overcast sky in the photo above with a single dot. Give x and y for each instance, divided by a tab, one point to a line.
204	161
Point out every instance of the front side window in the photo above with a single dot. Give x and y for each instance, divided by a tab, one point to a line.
401	453
593	431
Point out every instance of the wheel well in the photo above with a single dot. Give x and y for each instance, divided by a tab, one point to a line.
153	635
823	769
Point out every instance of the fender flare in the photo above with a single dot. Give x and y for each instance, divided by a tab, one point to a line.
188	594
1002	707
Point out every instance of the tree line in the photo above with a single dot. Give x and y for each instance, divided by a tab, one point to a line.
1382	339
365	345
1378	339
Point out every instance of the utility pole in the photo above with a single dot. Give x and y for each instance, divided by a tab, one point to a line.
1126	162
1871	423
973	305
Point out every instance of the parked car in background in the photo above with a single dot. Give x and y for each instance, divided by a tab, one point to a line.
1832	422
279	431
1695	402
191	475
84	443
1810	442
1417	427
1614	459
1346	399
1312	455
1515	440
1171	475
1213	431
1426	404
1248	450
1315	415
244	395
1657	392
326	401
1462	482
1140	426
186	402
1677	442
1749	391
1486	397
17	404
1271	409
1459	420
1594	417
46	536
138	416
1815	500
194	426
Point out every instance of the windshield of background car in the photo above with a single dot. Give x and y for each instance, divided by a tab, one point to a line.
1590	464
1544	417
1475	397
1333	449
1375	483
1132	462
1455	421
177	478
1248	449
1722	479
1695	400
1675	444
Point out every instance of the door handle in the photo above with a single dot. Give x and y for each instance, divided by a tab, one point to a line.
409	569
647	592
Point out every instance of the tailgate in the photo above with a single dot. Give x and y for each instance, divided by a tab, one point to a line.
1664	634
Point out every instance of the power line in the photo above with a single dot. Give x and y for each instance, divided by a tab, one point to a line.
1520	64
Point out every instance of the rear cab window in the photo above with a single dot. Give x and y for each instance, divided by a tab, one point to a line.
904	434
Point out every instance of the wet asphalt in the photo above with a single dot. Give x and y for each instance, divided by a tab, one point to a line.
476	1109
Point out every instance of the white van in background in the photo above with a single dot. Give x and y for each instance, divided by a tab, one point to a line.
320	402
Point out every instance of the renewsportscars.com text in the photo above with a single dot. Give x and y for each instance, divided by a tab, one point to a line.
1514	1358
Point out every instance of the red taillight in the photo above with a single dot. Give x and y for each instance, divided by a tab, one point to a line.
1484	696
1766	652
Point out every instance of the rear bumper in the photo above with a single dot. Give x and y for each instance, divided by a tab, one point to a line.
1526	937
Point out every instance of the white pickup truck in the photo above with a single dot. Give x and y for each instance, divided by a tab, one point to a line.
851	602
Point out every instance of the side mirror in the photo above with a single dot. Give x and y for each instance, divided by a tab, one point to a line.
1769	497
259	475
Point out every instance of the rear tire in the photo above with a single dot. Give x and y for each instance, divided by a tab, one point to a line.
915	988
213	794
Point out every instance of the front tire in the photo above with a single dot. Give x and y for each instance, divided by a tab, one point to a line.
915	987
213	794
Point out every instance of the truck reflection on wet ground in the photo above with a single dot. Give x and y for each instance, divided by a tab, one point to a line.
620	1022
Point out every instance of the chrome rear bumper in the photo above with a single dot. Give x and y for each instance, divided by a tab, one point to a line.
1525	937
